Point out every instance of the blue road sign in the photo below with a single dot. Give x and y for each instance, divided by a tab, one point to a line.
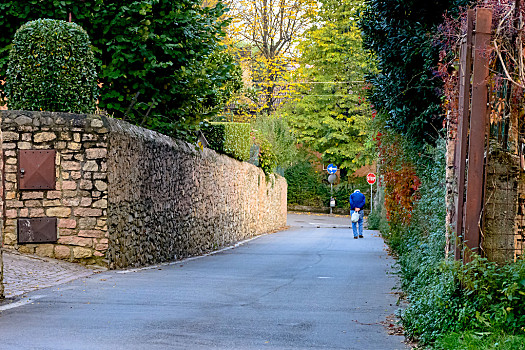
331	169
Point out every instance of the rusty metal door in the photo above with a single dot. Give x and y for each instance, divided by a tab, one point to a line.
37	230
36	170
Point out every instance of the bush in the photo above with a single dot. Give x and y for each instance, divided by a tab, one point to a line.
304	185
232	139
446	296
163	58
374	220
276	130
267	158
51	68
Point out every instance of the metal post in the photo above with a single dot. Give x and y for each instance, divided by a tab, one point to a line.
371	196
331	196
465	71
478	129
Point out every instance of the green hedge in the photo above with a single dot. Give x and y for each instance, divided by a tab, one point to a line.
305	185
51	67
232	139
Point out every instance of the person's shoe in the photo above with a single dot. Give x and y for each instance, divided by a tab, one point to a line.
355	237
361	236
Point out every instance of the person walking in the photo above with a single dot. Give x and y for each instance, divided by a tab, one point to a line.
357	203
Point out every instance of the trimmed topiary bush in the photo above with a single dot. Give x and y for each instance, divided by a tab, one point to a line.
51	67
232	139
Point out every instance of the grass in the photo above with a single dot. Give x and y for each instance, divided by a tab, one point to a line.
480	341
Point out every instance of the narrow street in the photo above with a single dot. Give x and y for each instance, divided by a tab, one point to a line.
310	287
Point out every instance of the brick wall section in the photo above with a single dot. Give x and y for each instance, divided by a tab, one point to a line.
126	196
79	201
168	200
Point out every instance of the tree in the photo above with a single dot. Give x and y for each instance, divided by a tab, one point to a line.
329	114
262	34
160	61
406	90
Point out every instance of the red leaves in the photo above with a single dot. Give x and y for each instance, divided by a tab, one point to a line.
399	179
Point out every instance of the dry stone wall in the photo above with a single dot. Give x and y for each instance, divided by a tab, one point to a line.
126	196
169	200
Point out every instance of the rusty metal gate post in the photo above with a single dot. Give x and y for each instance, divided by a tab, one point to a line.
478	131
465	72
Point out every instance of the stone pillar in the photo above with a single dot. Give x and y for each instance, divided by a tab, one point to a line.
501	207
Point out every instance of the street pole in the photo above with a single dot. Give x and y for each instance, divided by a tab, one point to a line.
371	196
331	196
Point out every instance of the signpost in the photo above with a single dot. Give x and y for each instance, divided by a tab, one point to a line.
332	169
371	179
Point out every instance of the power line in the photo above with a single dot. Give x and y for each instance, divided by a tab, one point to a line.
310	82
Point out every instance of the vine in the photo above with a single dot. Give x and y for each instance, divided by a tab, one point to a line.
399	179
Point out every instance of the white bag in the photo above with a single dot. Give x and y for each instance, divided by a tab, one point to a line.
355	216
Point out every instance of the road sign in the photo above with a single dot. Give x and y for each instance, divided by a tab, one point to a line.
371	178
332	169
332	178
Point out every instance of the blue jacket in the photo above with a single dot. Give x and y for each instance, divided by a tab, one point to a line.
357	200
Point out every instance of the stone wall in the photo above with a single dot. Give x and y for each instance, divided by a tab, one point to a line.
502	217
1	275
79	200
126	196
168	200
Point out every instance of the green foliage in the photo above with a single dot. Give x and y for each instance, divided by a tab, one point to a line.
480	341
161	56
497	293
374	220
446	296
478	296
267	157
331	115
277	132
232	139
343	190
51	68
304	185
406	91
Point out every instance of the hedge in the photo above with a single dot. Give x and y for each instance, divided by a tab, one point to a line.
51	67
232	139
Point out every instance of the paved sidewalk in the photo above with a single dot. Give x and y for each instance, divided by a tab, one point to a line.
24	273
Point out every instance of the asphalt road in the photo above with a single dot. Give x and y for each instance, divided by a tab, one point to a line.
310	287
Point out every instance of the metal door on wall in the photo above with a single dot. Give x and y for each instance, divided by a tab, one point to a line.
36	172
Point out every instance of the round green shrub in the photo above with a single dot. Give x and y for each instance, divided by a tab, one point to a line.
51	67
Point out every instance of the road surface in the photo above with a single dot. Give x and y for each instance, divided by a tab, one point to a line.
310	287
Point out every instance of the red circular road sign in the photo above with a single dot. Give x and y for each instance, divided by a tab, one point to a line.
371	178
